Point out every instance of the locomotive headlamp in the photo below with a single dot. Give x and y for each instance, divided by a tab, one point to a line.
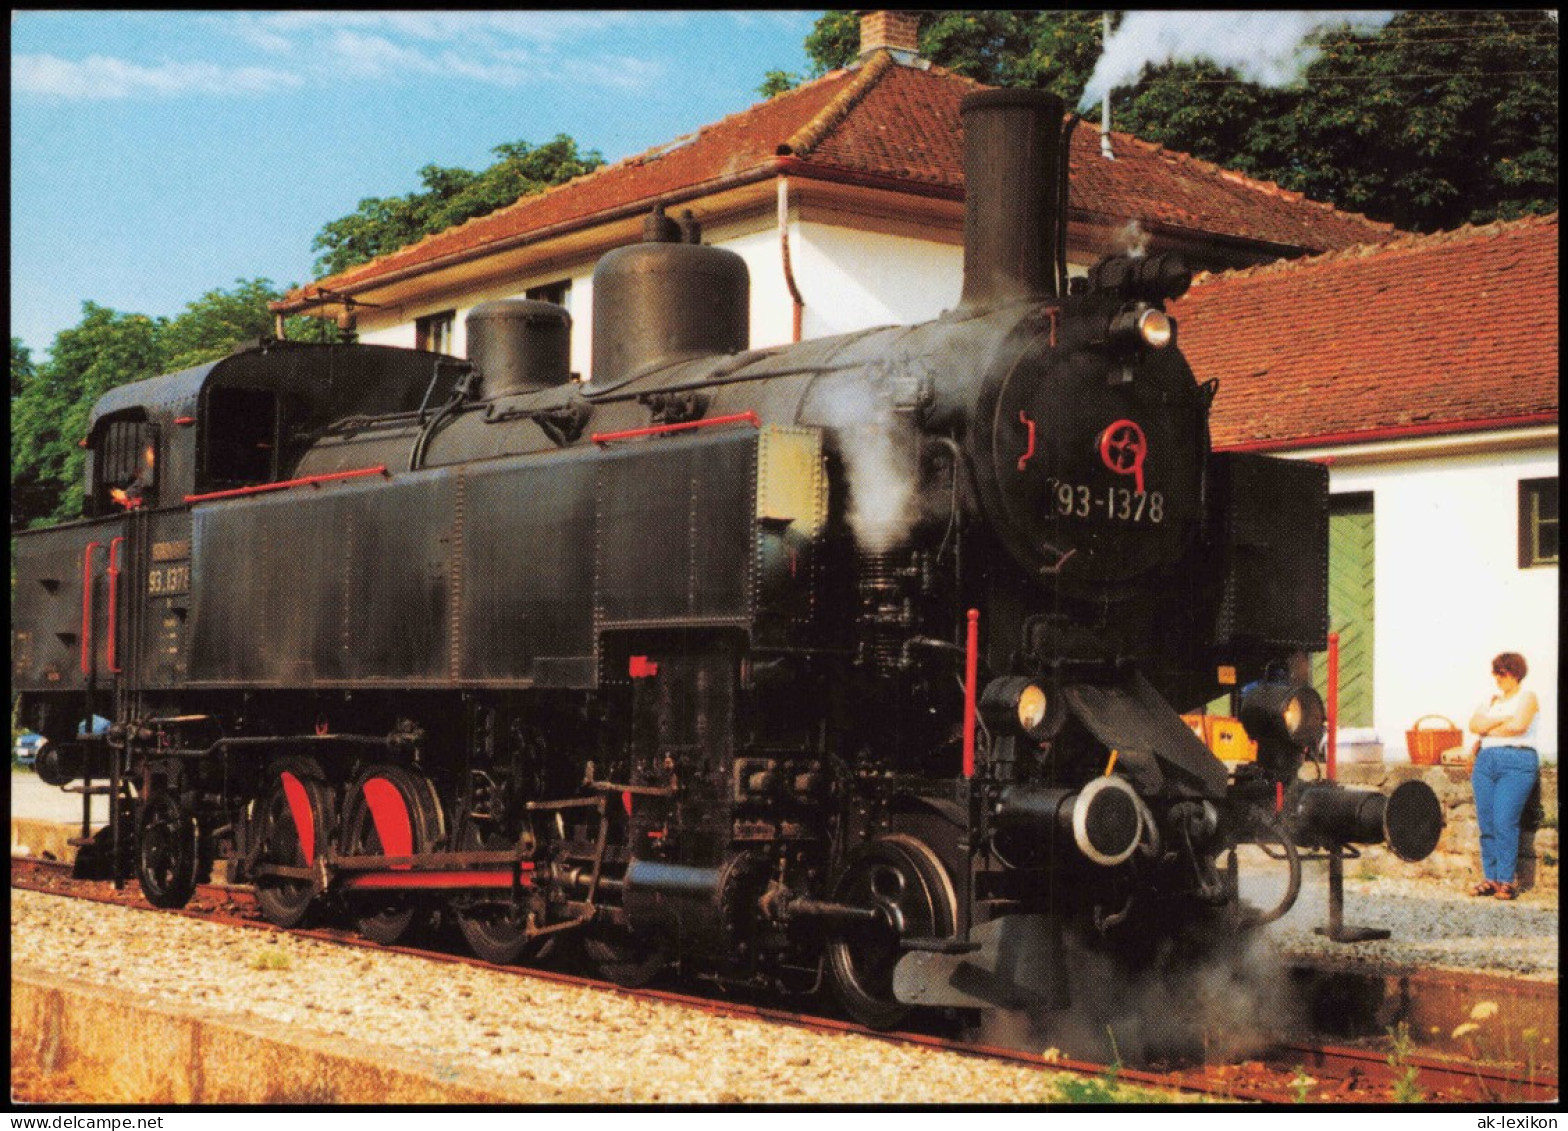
1292	712
1015	704
1143	325
1156	329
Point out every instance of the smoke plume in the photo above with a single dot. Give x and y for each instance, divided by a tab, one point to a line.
1130	239
1268	48
1205	998
880	461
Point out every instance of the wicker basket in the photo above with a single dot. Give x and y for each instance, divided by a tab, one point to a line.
1427	746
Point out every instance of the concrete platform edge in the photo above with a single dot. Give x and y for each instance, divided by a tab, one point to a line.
134	1051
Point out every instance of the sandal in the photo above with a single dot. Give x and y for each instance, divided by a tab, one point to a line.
1506	891
1485	887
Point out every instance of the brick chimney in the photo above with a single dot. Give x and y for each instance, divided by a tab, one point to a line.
898	32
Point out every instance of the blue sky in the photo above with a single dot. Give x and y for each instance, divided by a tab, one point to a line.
156	156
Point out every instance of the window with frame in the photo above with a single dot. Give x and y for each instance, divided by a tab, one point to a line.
558	292
1537	522
125	463
434	332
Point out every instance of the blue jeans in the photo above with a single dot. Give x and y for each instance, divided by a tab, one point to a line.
1502	780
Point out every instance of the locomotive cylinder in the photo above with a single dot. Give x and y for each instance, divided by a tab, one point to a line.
694	906
1102	821
1012	141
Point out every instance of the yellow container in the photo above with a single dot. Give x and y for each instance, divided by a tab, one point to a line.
1223	735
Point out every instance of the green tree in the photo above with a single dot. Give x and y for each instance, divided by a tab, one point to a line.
1053	51
51	402
49	418
1439	118
21	366
448	197
775	83
214	324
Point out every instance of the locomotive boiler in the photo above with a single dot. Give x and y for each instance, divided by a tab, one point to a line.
860	660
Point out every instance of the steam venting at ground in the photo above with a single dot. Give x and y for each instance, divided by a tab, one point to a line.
1268	48
880	462
1207	996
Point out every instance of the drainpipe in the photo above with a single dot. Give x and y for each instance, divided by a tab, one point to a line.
1105	104
789	271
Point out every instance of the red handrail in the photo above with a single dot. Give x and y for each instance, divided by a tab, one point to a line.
971	675
309	480
87	607
1333	706
685	426
114	599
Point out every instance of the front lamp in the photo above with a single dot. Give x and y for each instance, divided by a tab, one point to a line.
1142	325
1291	712
1016	704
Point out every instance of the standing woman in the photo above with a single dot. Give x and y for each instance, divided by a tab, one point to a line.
1506	767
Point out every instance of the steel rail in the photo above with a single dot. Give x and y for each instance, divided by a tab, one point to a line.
1336	1074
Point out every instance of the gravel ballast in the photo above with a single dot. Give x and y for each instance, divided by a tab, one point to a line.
1435	924
563	1037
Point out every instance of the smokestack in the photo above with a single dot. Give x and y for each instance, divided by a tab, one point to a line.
1012	178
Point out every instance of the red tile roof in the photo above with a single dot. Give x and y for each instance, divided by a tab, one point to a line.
1441	333
896	126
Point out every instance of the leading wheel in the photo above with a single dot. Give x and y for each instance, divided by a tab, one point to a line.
389	812
901	877
168	851
294	822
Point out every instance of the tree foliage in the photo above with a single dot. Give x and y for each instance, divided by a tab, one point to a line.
1440	118
51	401
775	83
448	197
22	369
1053	51
49	416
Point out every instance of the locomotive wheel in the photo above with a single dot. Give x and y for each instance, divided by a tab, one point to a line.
903	877
389	811
495	928
625	959
168	851
297	804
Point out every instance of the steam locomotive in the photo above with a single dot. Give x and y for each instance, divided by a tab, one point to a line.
860	660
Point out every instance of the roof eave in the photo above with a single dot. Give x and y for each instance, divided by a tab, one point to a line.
309	297
1394	433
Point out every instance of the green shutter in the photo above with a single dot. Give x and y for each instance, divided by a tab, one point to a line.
1350	608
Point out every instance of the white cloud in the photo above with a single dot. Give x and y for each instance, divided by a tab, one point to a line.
103	77
508	49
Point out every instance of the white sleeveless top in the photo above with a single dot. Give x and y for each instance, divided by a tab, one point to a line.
1504	709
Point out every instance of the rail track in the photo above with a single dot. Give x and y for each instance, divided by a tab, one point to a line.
1290	1072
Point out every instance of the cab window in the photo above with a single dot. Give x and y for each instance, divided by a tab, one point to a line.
125	466
241	436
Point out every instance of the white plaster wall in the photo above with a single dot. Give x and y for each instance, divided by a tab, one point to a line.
400	335
852	280
579	302
1450	593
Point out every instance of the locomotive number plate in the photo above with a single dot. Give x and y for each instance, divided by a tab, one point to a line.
1117	504
166	580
